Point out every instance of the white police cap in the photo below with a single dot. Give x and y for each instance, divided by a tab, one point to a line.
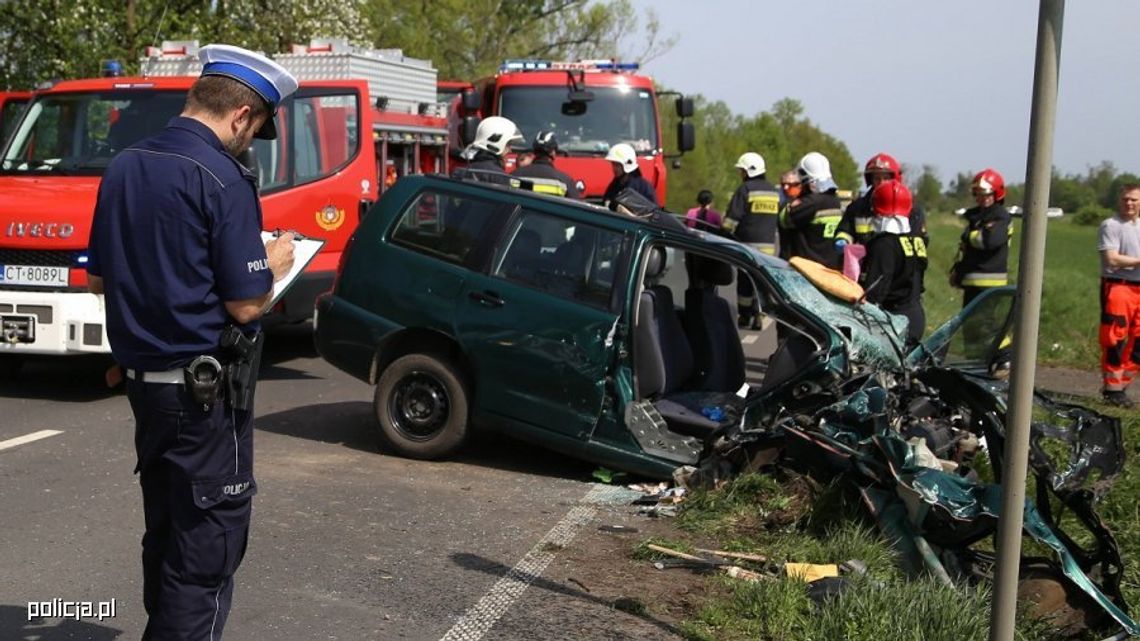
268	79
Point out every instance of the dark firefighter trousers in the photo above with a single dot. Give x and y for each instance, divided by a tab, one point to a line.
196	471
1119	333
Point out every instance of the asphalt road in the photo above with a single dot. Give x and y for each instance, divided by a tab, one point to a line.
347	543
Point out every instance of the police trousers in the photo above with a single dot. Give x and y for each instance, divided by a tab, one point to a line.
195	467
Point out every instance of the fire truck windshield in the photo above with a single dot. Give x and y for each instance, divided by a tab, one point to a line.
78	133
614	115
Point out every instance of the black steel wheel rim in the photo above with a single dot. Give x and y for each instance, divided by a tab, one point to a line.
419	406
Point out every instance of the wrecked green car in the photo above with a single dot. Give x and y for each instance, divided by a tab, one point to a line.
604	336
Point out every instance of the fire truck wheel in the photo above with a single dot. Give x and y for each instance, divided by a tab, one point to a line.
421	405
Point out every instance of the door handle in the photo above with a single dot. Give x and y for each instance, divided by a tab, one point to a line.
486	299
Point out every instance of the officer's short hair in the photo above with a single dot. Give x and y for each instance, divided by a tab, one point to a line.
219	95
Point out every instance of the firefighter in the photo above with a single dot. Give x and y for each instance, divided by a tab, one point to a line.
983	260
541	172
627	175
484	155
180	204
811	222
790	189
752	218
857	218
896	258
1119	246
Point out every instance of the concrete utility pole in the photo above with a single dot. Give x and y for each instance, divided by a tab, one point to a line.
1039	173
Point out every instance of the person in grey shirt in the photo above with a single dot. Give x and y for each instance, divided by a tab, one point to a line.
1119	247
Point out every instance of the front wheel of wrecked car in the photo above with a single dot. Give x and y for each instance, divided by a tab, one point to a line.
421	404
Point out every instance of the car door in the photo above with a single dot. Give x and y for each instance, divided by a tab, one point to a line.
970	340
539	322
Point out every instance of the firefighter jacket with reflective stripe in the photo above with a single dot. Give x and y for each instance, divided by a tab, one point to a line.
547	179
893	268
858	217
753	212
985	247
811	227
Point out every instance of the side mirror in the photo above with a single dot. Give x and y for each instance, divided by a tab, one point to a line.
686	137
467	130
472	101
248	159
684	107
573	108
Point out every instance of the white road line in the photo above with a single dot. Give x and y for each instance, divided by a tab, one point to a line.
28	438
478	620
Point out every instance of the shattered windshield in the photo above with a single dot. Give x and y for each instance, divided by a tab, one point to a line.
615	115
79	133
866	328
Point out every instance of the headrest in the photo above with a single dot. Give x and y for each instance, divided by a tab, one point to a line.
656	263
713	271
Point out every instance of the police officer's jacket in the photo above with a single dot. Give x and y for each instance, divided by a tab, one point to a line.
858	217
546	179
812	226
176	234
892	270
633	180
754	210
485	167
985	247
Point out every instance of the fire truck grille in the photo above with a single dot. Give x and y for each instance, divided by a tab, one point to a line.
38	258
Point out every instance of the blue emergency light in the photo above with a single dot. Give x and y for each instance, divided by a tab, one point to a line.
617	66
112	69
524	65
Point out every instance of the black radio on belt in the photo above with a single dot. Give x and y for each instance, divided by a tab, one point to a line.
241	373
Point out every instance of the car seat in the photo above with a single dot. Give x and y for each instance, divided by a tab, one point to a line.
711	327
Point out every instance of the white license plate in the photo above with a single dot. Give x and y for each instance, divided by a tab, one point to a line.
33	275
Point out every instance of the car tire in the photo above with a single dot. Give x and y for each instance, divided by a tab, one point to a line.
421	404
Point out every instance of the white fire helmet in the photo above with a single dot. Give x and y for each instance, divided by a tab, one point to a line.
623	155
814	168
495	135
752	163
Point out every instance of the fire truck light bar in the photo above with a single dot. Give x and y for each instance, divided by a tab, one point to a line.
582	65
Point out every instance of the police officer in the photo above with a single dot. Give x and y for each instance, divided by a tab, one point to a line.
176	249
896	258
541	172
752	218
811	222
627	175
484	155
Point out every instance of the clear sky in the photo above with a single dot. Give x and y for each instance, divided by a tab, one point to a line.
930	81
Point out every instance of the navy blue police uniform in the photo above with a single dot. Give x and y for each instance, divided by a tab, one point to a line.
176	234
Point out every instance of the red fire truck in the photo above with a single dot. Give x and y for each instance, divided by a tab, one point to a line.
359	120
590	105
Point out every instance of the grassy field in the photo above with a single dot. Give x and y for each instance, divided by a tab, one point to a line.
1070	310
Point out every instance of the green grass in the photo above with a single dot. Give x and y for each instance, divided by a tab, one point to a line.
1070	305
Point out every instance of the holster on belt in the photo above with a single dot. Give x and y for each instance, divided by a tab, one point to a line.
244	355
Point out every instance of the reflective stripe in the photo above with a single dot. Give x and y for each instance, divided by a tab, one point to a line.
844	236
730	224
975	239
169	377
824	216
863	225
547	186
763	202
984	279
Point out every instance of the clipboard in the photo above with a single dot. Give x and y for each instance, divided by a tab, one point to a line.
304	250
